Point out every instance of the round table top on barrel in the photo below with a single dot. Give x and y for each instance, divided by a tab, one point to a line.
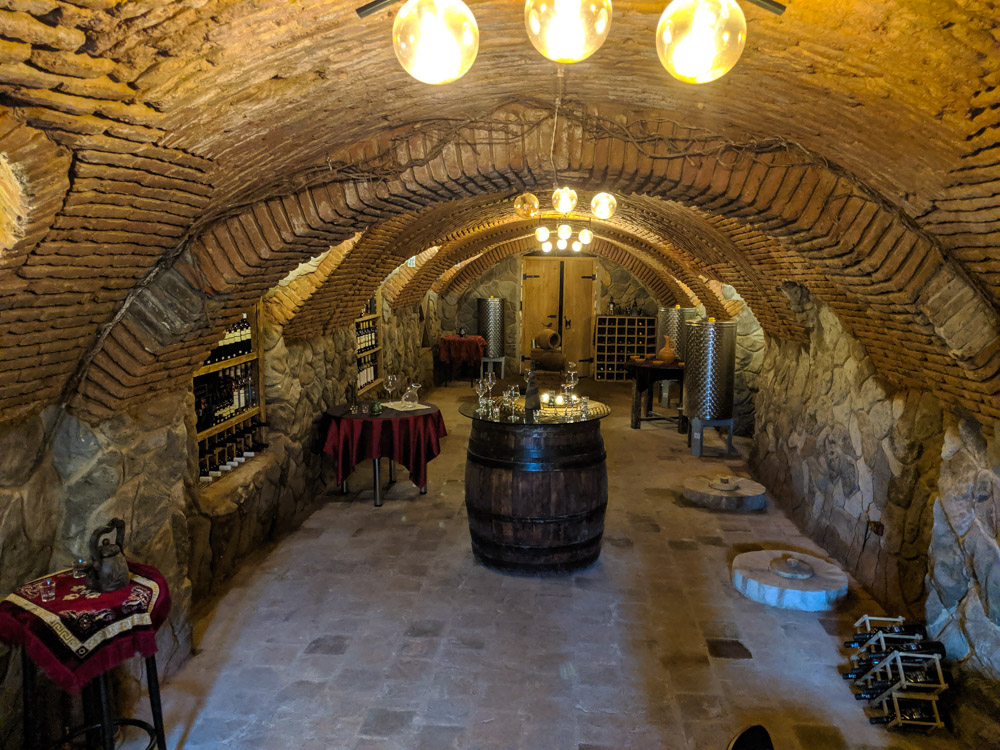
344	412
650	364
544	416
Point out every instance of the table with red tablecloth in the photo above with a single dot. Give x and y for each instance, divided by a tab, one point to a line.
409	438
463	350
81	633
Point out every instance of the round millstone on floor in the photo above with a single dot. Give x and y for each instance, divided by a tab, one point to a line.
729	493
789	580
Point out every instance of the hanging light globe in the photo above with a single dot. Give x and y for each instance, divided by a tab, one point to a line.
436	41
564	200
586	236
564	231
577	246
603	205
546	247
542	234
698	41
561	244
567	31
526	205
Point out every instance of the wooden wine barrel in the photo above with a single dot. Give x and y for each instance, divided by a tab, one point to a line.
536	494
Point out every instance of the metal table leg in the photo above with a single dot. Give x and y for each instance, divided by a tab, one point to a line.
28	695
343	487
107	720
153	683
392	472
378	483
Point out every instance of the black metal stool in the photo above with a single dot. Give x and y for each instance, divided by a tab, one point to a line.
100	721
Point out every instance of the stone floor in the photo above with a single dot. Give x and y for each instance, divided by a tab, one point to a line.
375	628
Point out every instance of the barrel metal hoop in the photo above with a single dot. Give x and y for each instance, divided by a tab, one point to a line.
541	461
490	545
586	515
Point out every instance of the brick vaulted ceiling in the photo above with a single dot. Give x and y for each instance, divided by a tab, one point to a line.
174	160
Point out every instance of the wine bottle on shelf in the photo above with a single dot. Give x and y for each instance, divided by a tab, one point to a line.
922	647
909	632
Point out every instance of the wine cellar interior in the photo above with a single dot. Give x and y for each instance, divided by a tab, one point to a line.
220	222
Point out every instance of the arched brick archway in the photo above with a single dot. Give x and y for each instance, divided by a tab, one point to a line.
904	298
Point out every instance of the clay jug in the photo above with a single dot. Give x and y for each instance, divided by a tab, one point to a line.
667	355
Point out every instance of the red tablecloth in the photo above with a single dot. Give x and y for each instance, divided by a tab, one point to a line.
82	633
408	438
461	349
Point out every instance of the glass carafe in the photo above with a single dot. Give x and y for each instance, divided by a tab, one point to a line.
411	397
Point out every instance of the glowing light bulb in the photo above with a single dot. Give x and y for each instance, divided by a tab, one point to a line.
526	205
564	231
564	200
577	246
603	205
567	31
698	41
546	247
561	244
436	41
586	236
542	234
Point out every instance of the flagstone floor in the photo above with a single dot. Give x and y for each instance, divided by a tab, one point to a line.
375	628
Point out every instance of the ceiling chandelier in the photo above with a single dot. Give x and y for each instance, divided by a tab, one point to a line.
564	200
697	41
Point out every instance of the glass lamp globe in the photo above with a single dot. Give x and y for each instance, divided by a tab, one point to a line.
700	40
436	41
542	234
577	246
586	236
546	247
526	205
561	244
567	31
564	231
564	200
603	205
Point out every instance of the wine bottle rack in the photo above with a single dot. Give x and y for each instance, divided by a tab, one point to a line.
229	400
897	672
618	337
368	345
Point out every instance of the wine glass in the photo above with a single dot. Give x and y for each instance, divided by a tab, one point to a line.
491	380
391	383
480	387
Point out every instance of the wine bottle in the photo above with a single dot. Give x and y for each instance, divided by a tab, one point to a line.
899	631
909	710
921	647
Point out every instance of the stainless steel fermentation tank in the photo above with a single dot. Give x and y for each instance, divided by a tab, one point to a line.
670	322
491	325
709	369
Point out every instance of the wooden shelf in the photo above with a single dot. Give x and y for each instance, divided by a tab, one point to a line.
226	363
374	384
376	350
241	417
618	337
366	318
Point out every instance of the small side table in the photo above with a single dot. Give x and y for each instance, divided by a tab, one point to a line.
79	636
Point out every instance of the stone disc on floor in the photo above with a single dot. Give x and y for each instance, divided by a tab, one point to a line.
729	493
789	580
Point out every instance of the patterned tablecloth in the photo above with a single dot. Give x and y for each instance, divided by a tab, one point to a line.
82	633
461	349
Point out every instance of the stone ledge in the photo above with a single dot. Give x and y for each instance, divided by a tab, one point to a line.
228	494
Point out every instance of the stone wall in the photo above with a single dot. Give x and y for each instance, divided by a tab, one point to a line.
963	599
749	361
617	283
905	495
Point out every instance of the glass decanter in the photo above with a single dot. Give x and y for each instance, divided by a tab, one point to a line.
411	397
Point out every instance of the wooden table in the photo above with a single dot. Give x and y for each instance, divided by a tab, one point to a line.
410	438
644	376
455	350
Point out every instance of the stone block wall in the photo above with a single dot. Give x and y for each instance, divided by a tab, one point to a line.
903	493
615	282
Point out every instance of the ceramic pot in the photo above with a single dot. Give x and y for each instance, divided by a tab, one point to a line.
667	355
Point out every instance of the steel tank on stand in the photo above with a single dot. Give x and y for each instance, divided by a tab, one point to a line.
670	322
709	369
491	325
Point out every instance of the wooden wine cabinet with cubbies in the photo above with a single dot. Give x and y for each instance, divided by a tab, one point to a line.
229	400
618	337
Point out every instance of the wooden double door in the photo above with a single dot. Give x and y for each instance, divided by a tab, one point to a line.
558	294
